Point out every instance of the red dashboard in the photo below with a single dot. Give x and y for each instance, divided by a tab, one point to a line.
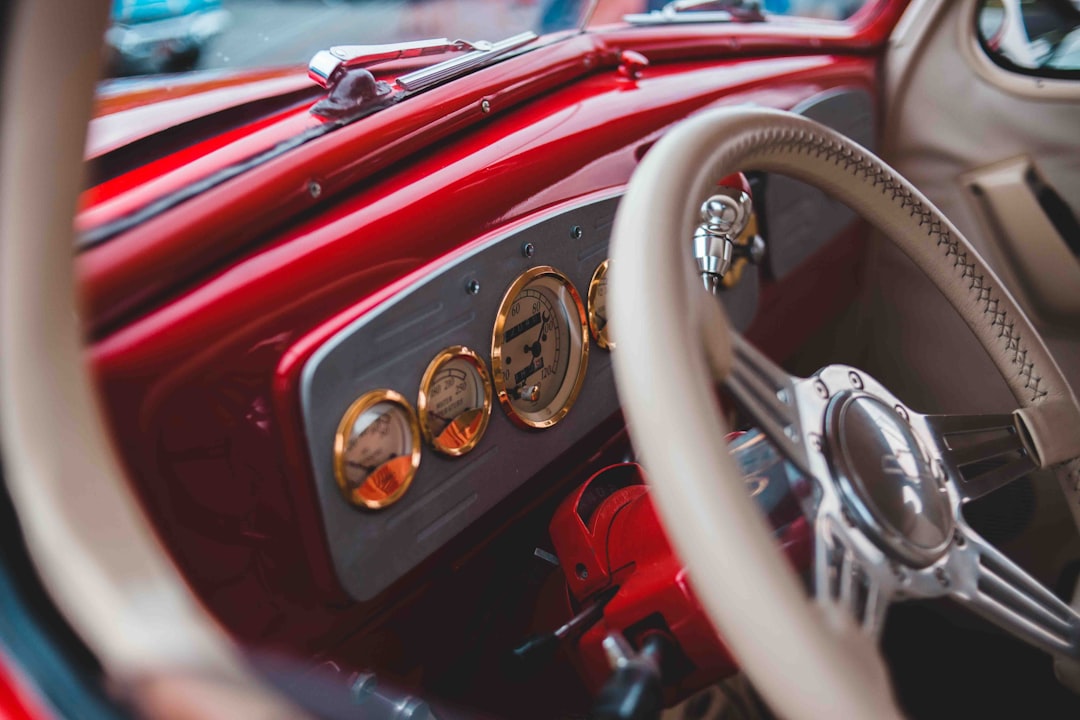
205	315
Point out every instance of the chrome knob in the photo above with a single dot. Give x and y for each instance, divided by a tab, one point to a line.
726	212
724	216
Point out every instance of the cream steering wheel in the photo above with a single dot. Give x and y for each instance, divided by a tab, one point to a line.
886	483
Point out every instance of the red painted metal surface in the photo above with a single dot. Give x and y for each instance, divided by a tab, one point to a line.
17	701
606	534
181	244
202	391
120	119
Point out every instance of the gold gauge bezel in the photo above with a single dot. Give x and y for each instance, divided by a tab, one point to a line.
582	331
361	405
600	337
735	272
453	353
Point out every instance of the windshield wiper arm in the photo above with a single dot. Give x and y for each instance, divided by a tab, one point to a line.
327	65
456	67
700	11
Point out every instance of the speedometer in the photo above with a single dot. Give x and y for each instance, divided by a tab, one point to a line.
539	348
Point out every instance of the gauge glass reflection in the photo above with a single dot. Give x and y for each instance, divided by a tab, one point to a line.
455	401
377	449
598	324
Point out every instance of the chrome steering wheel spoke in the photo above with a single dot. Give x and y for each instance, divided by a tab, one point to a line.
768	394
987	582
982	452
850	575
887	522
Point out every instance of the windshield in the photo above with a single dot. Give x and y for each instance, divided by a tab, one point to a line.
151	37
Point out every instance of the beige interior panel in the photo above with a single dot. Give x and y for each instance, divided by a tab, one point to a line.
939	127
1043	263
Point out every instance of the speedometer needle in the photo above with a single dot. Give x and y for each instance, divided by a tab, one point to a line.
536	348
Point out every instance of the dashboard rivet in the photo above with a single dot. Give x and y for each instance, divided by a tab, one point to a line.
314	189
821	390
902	413
581	571
958	538
815	441
576	232
472	287
856	381
485	106
528	249
942	576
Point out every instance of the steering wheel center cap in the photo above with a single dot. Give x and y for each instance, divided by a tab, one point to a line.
885	479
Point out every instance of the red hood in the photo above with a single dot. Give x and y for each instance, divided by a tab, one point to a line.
132	109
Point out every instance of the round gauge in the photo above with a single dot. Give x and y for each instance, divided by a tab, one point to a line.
377	449
455	401
540	348
598	307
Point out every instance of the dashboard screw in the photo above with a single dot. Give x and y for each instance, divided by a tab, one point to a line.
815	441
472	287
902	413
821	390
485	106
856	381
958	537
314	189
581	571
942	576
528	249
576	232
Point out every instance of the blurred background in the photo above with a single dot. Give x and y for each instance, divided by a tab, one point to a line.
159	36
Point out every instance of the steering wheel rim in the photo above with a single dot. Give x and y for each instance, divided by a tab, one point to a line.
808	660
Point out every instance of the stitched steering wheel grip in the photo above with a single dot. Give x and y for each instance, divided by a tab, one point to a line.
807	663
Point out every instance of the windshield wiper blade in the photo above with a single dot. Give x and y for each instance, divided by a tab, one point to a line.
456	67
700	11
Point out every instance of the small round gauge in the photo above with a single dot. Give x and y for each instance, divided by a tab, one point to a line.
377	449
455	401
598	307
539	348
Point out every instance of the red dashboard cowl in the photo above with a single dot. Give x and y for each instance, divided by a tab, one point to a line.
607	533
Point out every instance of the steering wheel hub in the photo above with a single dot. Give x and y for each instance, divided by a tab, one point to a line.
886	480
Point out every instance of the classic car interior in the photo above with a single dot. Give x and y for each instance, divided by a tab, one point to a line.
695	362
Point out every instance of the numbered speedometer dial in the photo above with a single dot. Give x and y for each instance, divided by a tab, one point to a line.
455	401
377	449
540	348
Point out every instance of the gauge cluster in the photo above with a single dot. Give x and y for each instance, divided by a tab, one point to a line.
407	442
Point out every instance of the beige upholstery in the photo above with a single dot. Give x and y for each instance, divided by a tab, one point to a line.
803	670
90	542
